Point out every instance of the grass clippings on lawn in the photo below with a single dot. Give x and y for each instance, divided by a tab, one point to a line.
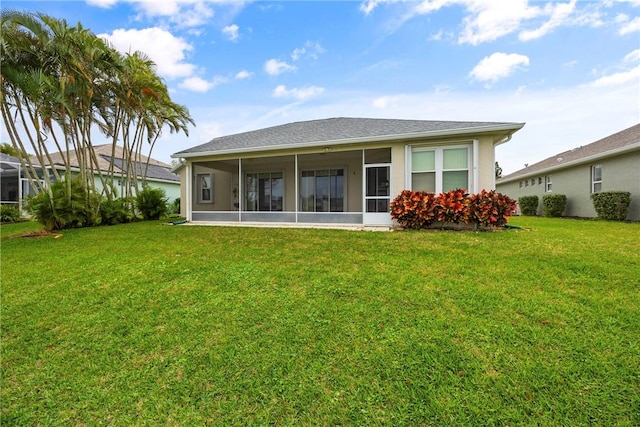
146	324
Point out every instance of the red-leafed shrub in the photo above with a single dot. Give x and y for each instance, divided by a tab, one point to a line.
419	209
453	206
489	208
413	209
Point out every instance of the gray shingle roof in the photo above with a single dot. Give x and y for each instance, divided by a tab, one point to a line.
600	148
153	171
339	130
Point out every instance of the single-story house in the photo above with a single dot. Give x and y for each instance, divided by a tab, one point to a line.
334	171
15	186
609	164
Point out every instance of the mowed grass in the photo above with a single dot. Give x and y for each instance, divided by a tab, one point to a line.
145	324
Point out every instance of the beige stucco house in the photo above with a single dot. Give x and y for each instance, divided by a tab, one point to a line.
608	164
334	171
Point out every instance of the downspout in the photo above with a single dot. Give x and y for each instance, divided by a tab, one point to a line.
504	141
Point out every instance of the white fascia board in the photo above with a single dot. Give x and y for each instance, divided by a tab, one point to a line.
576	162
337	142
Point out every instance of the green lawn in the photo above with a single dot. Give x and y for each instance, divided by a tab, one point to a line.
145	324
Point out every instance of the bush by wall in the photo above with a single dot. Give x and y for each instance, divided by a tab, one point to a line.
67	204
528	205
419	209
9	213
116	211
612	205
554	204
151	203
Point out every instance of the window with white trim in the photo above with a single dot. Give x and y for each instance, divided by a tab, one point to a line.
205	187
547	184
440	169
596	178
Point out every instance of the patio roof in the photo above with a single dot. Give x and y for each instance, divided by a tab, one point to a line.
341	130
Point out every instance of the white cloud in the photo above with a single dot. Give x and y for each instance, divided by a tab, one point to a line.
559	12
627	26
105	4
273	67
243	74
301	94
231	32
633	56
618	79
310	49
162	47
498	66
185	13
384	102
492	19
197	84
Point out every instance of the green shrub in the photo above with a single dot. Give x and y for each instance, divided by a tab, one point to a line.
175	206
528	205
490	208
151	203
413	209
9	213
612	205
554	204
65	205
118	211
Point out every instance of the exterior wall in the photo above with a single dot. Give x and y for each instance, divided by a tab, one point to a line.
348	157
619	173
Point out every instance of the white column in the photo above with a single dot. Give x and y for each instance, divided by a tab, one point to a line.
476	160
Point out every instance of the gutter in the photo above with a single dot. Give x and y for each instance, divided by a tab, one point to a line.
576	162
448	132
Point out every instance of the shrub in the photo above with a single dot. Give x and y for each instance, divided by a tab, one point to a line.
489	208
64	205
554	204
151	203
612	205
175	206
528	205
116	211
413	209
9	213
453	206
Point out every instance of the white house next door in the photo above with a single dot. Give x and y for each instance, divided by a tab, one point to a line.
377	194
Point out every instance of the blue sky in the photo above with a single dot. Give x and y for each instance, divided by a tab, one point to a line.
569	69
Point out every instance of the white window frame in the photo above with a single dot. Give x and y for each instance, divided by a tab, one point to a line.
200	188
439	163
593	178
270	172
548	184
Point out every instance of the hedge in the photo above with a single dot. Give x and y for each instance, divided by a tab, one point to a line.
612	205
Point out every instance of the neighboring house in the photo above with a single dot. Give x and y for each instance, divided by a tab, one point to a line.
14	187
335	171
158	175
609	164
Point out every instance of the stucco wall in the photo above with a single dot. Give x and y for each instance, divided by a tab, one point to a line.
619	173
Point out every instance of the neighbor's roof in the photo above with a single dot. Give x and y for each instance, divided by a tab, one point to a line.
620	142
336	131
157	169
5	158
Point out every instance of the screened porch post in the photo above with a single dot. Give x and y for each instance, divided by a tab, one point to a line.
364	187
240	190
295	188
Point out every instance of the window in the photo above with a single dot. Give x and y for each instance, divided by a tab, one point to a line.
440	169
547	183
520	184
322	190
540	180
205	187
526	182
533	182
265	191
596	178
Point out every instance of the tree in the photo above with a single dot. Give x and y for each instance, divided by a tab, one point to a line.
60	84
